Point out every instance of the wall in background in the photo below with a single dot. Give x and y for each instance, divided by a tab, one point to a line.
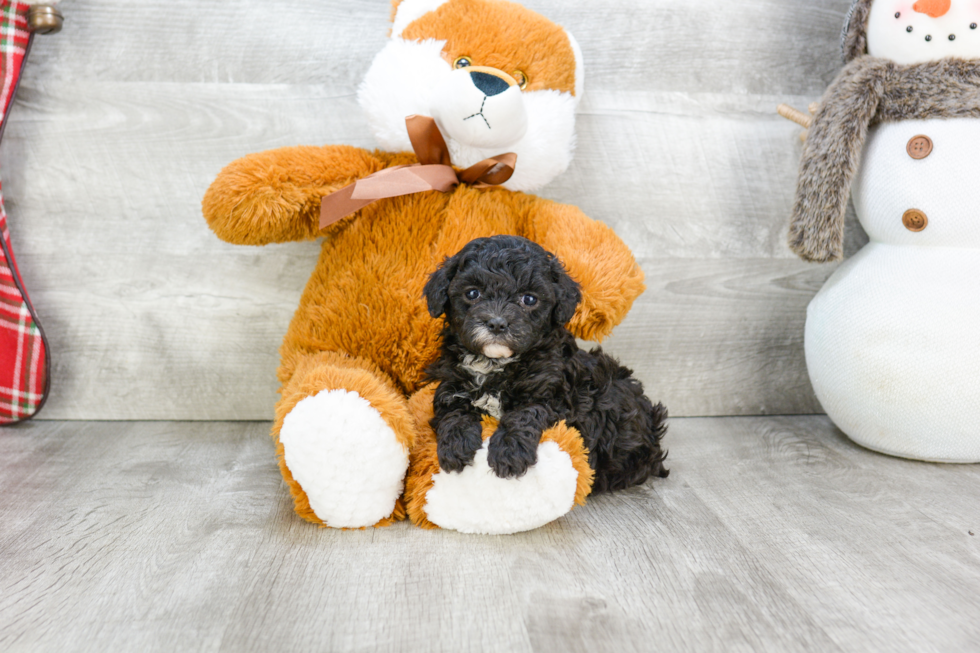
124	118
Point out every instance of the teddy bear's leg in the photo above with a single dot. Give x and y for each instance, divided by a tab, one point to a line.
476	500
343	432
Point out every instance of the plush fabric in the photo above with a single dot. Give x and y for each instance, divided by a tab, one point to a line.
891	337
891	348
24	360
414	74
465	508
854	37
867	92
499	35
889	182
362	325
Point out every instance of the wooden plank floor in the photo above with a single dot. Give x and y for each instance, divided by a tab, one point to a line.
770	534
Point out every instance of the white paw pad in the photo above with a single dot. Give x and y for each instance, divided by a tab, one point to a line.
346	458
478	501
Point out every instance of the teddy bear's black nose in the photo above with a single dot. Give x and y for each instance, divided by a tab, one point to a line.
489	84
497	325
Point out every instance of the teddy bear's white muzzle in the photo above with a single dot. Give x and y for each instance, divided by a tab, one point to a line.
480	108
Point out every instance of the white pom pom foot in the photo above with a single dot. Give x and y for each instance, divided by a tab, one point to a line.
477	501
345	456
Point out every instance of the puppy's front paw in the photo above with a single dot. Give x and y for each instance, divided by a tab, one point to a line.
510	454
458	442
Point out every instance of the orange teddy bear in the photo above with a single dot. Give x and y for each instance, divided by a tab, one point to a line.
496	77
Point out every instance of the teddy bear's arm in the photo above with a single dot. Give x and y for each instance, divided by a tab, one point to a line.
274	196
595	257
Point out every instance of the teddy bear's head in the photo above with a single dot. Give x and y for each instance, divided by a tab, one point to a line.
494	75
913	31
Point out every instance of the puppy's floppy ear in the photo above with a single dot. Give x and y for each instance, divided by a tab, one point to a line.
436	291
567	293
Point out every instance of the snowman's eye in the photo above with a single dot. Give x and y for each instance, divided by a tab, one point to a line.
462	62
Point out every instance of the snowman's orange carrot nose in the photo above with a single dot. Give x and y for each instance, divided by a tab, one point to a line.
934	8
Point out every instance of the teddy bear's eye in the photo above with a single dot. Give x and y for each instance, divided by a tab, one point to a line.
529	300
521	79
462	62
472	294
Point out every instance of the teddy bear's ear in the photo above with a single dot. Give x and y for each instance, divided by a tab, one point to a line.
436	291
567	293
405	12
579	67
394	9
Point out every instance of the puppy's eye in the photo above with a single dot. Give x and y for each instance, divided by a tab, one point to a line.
462	62
521	79
529	300
472	294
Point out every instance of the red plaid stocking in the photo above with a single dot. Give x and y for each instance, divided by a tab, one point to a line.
23	351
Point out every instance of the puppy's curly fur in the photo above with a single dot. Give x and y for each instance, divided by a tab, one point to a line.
506	353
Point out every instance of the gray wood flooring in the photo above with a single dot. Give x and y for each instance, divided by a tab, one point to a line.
125	117
771	534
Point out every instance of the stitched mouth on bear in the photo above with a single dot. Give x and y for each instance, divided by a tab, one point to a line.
480	113
480	107
490	82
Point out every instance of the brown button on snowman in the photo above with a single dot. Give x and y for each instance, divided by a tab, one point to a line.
919	147
893	338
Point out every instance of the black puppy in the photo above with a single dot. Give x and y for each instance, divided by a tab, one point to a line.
506	353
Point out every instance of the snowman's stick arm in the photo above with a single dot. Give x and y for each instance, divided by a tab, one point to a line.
795	115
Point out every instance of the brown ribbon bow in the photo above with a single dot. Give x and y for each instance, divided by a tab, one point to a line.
434	171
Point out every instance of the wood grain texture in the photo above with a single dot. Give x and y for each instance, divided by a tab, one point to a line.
125	117
771	534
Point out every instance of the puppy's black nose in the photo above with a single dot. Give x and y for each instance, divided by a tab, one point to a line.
497	325
489	84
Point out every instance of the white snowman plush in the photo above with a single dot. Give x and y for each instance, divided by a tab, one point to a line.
893	338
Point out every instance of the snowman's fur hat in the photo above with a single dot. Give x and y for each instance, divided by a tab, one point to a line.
480	106
869	90
854	37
